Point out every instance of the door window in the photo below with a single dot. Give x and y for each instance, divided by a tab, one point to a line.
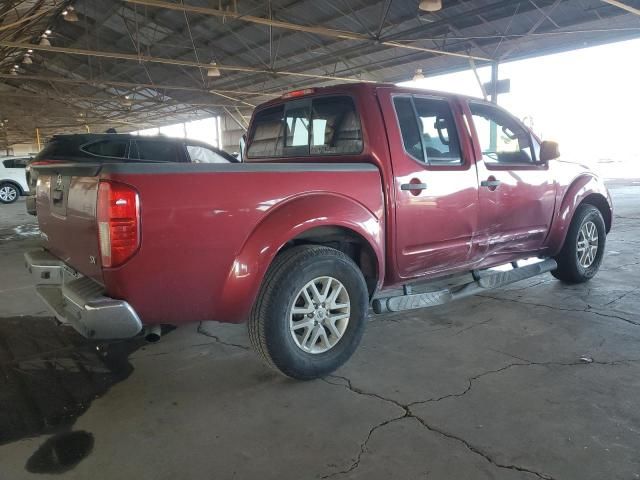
428	130
503	140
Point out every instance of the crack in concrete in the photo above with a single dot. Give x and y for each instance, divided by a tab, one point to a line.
622	296
472	326
201	331
408	413
587	309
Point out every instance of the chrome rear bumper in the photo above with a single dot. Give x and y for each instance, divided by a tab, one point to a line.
78	301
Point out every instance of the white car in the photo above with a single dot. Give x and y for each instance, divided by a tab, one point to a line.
13	181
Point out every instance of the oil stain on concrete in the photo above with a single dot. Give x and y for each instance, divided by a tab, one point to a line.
61	452
48	377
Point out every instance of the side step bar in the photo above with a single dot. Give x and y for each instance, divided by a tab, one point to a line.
487	281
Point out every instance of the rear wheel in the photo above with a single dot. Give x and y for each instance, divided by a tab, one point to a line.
8	193
310	313
583	249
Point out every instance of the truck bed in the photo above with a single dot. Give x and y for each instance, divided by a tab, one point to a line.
195	220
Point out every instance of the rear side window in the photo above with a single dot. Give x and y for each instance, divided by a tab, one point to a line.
15	163
408	127
428	130
318	126
155	150
438	131
108	148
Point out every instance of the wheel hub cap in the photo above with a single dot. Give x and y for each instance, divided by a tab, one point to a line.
7	193
587	244
319	315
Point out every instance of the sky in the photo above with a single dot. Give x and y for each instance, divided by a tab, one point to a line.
588	100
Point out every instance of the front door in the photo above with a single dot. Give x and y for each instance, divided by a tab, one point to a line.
435	185
516	194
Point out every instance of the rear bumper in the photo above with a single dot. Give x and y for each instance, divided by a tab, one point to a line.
78	301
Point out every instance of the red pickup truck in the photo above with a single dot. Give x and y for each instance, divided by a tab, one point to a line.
350	198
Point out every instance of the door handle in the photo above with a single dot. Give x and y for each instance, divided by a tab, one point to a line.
491	183
413	186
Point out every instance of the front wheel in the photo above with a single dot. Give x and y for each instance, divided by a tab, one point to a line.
8	193
583	249
310	313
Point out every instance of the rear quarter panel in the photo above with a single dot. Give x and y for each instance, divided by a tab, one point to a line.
209	232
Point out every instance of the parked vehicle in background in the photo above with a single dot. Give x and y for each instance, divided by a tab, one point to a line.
351	196
13	181
110	147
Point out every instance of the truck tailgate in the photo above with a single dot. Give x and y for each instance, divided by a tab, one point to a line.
66	198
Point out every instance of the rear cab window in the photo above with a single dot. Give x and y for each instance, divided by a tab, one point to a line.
323	125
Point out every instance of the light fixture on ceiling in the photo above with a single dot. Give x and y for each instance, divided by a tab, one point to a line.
44	41
30	51
430	5
13	71
127	101
418	75
27	60
213	70
70	15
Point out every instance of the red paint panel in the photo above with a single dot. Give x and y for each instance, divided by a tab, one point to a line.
193	263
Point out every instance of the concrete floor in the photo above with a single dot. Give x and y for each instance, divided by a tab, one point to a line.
539	380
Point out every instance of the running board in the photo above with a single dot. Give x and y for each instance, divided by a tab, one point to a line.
487	281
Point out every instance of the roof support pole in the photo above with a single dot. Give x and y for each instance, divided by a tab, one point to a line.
493	128
494	82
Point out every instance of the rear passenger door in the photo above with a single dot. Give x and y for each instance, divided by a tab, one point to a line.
435	183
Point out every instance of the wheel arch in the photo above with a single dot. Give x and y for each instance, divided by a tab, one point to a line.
585	189
349	242
315	218
600	202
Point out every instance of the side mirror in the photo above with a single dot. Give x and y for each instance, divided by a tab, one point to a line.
549	151
243	143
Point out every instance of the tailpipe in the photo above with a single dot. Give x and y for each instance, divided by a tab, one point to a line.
152	333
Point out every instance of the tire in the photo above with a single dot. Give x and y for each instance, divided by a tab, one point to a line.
288	347
9	193
573	267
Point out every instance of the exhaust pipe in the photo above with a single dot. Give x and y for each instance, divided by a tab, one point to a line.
152	333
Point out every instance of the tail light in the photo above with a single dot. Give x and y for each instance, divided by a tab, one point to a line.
118	215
